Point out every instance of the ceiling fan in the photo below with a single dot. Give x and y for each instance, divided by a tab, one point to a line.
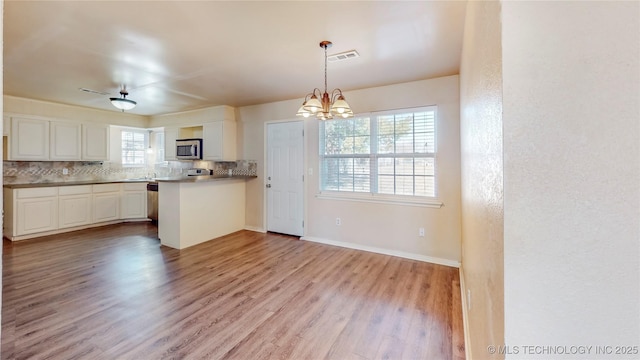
121	102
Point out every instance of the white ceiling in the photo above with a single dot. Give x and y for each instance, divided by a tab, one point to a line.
179	55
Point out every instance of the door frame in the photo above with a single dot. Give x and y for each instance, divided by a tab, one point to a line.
265	160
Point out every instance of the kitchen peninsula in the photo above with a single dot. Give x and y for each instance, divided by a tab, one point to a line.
201	208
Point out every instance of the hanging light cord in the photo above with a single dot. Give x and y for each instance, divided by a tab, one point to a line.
325	68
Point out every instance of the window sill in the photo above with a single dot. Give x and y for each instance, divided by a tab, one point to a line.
382	199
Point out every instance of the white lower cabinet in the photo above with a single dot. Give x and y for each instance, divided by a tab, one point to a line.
37	215
106	202
134	201
36	210
74	206
31	212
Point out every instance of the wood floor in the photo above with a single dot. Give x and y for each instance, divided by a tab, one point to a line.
114	293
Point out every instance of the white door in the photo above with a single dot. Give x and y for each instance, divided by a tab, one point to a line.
285	146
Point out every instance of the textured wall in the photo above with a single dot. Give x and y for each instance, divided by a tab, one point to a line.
482	184
571	79
361	222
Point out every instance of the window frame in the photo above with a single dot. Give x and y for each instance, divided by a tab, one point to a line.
144	151
374	156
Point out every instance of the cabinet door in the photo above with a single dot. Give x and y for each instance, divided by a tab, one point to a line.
219	141
170	137
212	141
64	140
74	210
106	207
134	205
95	142
36	215
29	139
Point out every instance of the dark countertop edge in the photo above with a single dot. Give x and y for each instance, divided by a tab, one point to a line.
194	179
72	183
127	181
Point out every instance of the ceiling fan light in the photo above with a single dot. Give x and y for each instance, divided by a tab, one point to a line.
123	104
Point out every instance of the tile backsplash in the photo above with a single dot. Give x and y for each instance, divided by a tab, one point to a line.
24	172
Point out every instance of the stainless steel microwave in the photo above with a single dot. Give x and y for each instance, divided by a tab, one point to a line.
189	149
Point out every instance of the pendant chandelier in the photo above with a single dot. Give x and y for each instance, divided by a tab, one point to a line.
122	102
330	105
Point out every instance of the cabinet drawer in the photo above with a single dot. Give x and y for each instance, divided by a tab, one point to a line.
74	190
102	188
134	186
37	192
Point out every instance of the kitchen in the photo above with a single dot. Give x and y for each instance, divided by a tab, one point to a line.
34	165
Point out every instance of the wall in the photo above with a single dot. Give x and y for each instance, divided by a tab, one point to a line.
361	222
571	100
26	106
482	170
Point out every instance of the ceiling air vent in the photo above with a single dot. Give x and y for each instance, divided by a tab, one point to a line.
351	54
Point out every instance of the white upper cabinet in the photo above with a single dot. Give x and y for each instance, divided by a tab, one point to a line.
95	142
39	139
219	141
65	140
170	137
29	139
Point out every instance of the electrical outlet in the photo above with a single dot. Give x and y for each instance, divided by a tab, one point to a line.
338	221
421	232
65	171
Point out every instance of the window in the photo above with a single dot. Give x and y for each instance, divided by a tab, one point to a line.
133	148
390	153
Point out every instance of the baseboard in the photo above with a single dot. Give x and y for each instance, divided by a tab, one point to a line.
465	315
255	228
69	229
402	254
